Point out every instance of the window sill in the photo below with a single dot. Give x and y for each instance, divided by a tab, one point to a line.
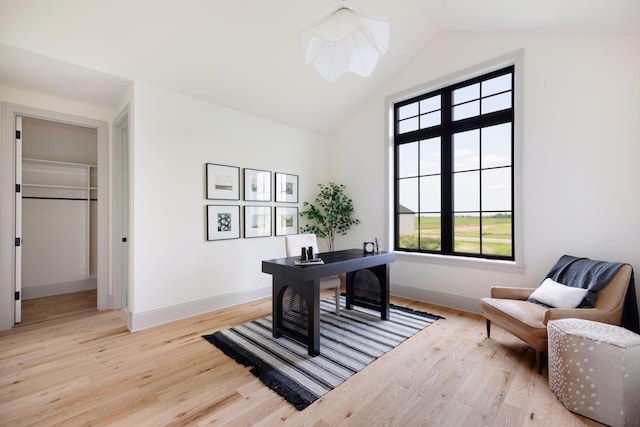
456	261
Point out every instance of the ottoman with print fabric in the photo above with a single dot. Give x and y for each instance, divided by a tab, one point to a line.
594	370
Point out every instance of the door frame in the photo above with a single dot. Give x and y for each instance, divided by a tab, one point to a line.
121	269
7	202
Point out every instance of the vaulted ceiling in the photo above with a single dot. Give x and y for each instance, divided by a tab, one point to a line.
245	54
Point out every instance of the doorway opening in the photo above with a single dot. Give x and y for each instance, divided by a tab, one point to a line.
59	206
95	186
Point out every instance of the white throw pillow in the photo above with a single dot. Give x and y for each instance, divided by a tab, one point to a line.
558	295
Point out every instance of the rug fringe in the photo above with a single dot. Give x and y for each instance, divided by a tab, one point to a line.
416	312
292	392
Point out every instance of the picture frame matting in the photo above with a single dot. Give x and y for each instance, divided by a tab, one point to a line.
286	187
257	185
257	221
223	182
286	220
223	222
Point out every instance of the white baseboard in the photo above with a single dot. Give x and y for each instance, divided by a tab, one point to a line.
30	292
148	319
470	305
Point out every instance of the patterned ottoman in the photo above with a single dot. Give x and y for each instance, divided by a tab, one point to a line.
594	370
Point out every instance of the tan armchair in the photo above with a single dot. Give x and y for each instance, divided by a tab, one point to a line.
508	308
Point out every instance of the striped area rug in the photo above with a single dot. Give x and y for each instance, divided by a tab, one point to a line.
348	343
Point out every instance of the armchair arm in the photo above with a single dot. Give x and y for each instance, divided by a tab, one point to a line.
508	292
595	314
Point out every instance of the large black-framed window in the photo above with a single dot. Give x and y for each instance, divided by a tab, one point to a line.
454	169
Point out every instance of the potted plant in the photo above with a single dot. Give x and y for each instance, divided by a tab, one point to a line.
330	215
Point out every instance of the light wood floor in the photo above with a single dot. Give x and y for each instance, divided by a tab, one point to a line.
85	368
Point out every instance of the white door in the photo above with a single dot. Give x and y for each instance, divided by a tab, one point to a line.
18	216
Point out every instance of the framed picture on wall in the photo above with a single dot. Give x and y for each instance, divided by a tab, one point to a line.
223	222
223	182
257	185
286	220
257	221
286	188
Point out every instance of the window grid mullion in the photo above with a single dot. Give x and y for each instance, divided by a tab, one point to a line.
446	182
419	198
445	131
480	219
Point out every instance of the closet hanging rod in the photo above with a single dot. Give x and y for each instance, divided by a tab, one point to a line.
59	198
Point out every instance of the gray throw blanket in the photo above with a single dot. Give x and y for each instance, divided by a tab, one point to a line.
593	276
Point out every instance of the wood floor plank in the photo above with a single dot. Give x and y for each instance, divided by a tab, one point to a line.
70	364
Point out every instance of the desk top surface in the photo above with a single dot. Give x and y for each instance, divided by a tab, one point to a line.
345	260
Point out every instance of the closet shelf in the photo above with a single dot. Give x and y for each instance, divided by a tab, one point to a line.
68	187
56	162
53	174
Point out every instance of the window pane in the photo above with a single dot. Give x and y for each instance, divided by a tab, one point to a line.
466	93
430	156
408	194
497	234
467	110
428	120
430	104
496	189
466	150
408	230
466	191
496	85
430	194
430	232
466	233
408	125
408	160
496	146
496	103
408	110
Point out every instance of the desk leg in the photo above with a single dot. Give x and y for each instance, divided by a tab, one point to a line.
382	274
276	307
349	290
310	291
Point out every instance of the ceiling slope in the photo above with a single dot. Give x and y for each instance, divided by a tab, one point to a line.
245	54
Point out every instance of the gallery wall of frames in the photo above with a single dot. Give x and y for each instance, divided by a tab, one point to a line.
256	190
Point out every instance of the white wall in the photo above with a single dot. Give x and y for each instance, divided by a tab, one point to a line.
581	153
54	246
44	139
53	103
173	137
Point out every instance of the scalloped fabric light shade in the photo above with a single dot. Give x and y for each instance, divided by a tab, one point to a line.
344	39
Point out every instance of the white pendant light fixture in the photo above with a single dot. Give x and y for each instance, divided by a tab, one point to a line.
344	39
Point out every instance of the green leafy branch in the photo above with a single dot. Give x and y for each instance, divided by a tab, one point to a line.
331	213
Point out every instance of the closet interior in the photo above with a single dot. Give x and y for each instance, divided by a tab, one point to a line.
59	208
